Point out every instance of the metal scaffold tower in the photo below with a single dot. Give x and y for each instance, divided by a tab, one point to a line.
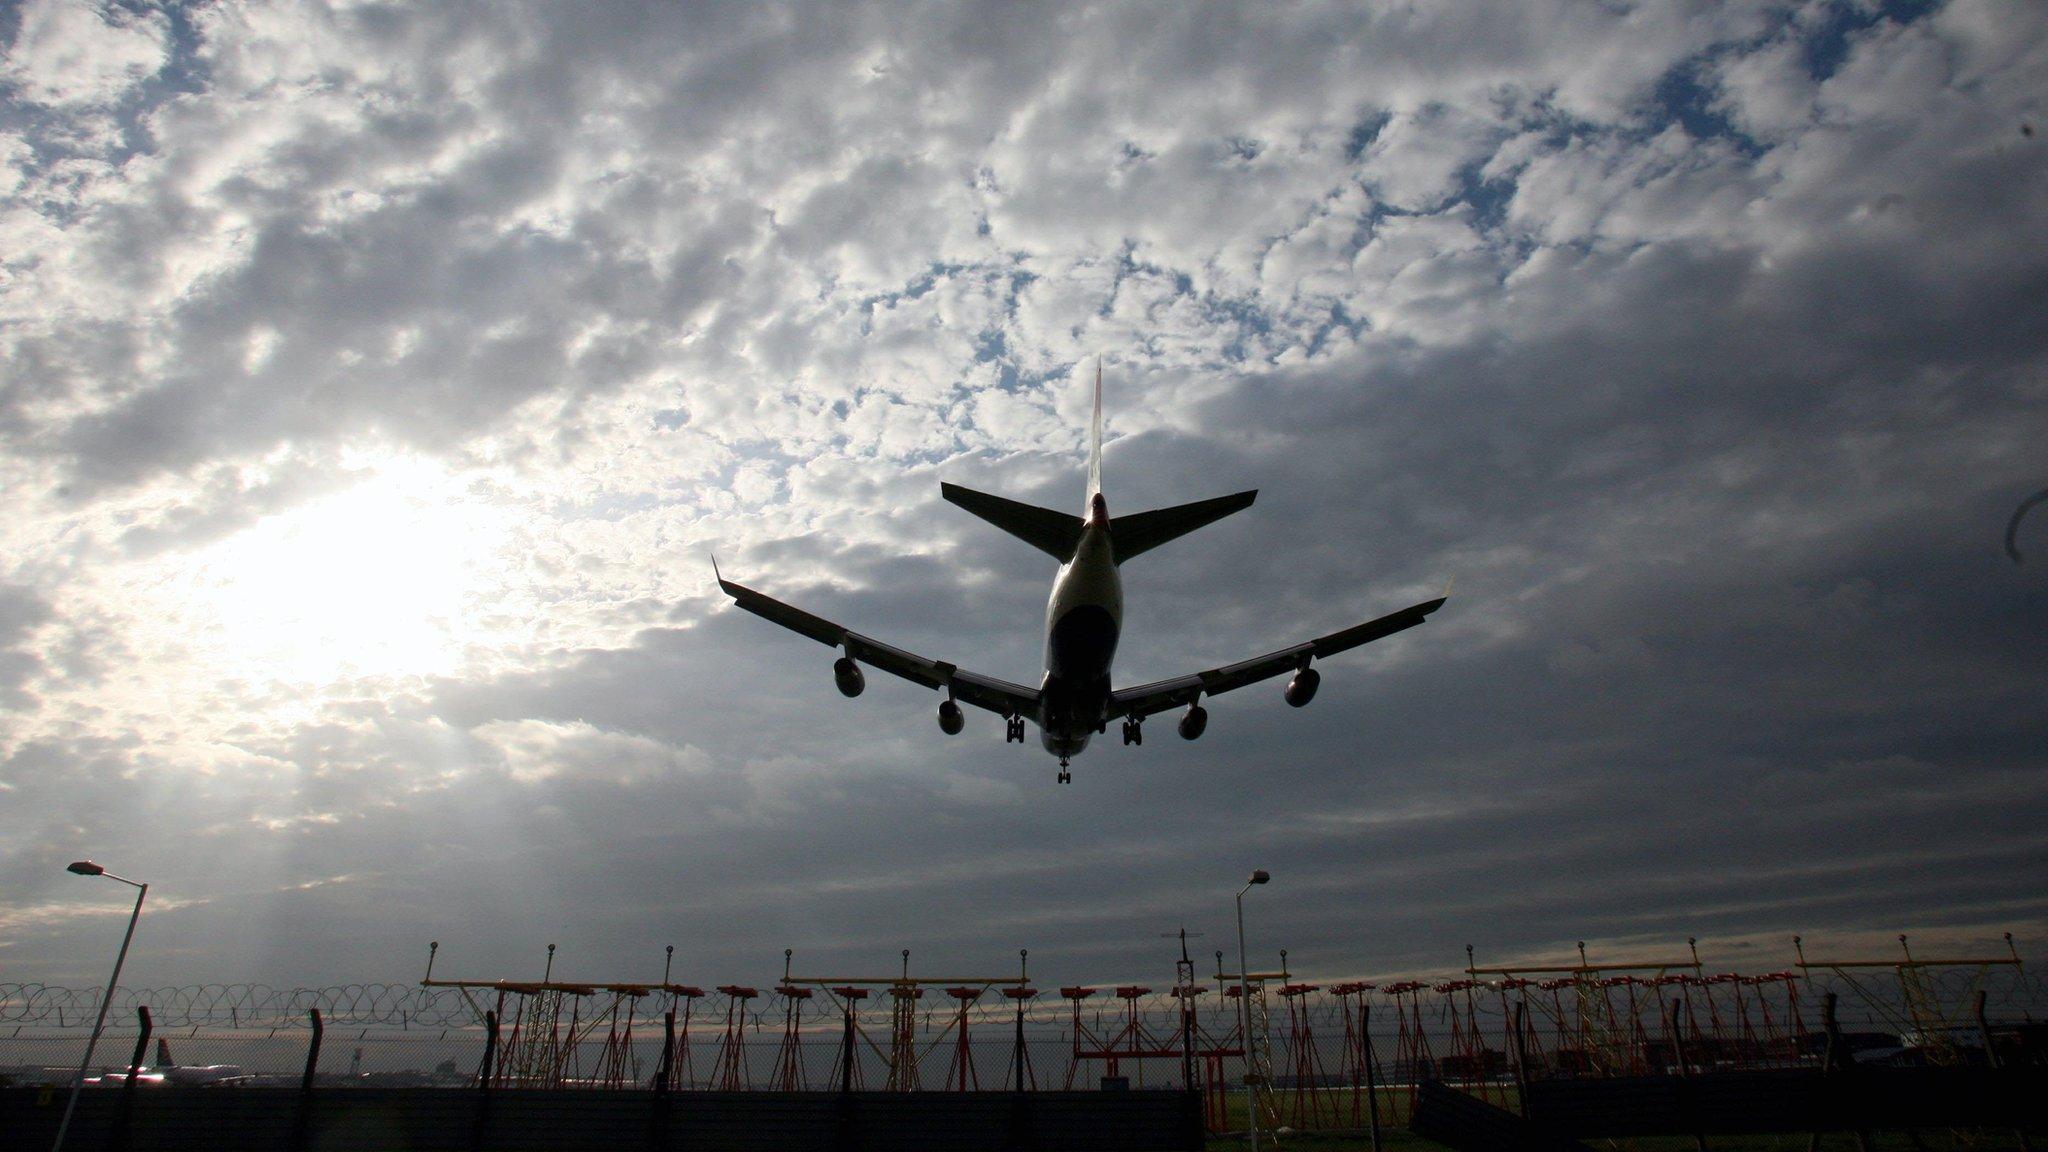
1413	1061
1724	1040
960	1075
1189	1035
1634	1019
1249	988
1938	1002
1310	1107
533	1055
1669	1019
730	1073
1471	1062
1132	1041
1518	1040
904	990
550	1026
680	1072
846	1073
903	1000
1217	1046
1596	1035
1078	1031
1767	1038
1185	994
789	1073
1568	1049
615	1066
1480	1066
1020	1077
1631	1041
1358	1068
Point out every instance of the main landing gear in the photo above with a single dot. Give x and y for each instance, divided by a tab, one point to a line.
1013	730
1133	734
1066	777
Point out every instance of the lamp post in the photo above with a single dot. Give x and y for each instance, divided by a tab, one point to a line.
88	868
1244	1010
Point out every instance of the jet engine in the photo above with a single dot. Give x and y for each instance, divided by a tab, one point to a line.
847	675
1302	688
1194	723
950	719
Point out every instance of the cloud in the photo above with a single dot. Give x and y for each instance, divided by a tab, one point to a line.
78	54
21	611
537	750
379	382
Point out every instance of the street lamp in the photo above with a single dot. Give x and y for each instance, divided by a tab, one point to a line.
88	868
1244	1010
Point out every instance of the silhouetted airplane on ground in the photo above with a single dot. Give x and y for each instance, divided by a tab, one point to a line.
1082	623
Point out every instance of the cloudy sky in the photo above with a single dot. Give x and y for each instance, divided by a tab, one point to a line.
375	383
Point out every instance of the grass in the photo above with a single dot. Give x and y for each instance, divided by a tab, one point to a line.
1395	1137
1402	1140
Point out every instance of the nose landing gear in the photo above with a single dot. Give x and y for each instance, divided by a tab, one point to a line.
1066	777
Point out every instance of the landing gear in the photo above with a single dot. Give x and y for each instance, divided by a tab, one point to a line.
1133	734
1066	777
1013	730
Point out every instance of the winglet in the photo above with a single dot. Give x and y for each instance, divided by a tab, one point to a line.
1095	438
1448	581
715	573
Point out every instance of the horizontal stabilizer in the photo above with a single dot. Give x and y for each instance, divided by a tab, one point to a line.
1143	531
1054	533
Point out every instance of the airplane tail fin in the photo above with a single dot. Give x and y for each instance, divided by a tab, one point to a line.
1095	440
1144	531
1054	533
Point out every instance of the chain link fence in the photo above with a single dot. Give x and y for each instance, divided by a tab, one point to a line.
1326	1041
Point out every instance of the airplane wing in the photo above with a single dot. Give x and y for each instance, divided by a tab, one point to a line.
1147	699
998	696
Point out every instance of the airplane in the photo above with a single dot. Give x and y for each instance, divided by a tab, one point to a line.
1083	622
169	1072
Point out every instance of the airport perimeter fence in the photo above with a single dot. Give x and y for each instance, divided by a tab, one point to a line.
1338	1051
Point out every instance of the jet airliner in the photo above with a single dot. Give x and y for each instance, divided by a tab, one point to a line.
1083	622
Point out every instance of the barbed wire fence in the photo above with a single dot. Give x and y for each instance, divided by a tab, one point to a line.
406	1033
1872	997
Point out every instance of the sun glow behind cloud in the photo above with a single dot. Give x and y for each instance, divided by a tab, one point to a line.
380	579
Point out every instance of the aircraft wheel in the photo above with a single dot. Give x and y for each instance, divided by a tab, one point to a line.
1066	777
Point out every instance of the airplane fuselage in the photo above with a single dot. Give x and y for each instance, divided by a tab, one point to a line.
1083	620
